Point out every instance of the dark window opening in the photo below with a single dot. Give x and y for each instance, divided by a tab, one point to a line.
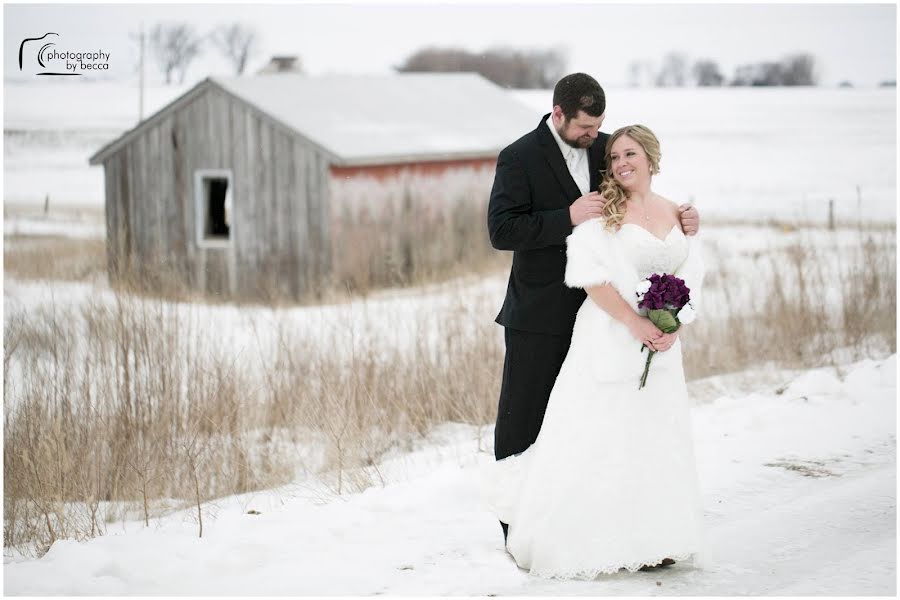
217	217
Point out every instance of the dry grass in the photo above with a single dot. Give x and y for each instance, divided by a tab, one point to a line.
401	247
137	402
801	306
794	224
49	257
394	248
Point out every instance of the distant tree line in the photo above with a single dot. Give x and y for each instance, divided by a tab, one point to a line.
675	70
524	69
799	69
174	46
507	67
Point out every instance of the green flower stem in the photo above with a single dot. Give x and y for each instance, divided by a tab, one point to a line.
646	369
667	322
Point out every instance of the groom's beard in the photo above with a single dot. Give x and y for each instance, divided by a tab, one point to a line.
584	141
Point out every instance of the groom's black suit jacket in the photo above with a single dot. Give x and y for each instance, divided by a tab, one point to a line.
529	214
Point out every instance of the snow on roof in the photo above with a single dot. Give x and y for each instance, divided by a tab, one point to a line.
383	118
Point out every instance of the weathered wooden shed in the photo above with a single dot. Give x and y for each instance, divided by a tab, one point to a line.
240	179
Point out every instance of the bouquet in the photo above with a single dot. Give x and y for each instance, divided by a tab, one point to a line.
667	300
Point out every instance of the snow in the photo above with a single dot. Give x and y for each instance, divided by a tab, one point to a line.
393	322
736	152
88	105
398	324
372	118
773	530
767	152
798	469
47	142
80	227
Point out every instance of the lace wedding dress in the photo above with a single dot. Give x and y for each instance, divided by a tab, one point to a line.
611	481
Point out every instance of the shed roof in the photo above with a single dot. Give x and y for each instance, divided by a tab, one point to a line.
378	119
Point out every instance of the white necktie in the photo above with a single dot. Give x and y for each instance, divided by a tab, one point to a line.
573	161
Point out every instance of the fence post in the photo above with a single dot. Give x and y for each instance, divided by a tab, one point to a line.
858	207
831	214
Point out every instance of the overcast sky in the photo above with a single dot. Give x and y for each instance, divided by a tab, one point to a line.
855	42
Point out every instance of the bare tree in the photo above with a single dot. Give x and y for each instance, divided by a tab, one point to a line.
551	64
799	69
743	75
237	43
174	47
770	73
504	66
673	71
706	73
759	75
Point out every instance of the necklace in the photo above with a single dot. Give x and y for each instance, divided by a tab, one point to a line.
644	211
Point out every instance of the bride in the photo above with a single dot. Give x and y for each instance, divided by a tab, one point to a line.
611	480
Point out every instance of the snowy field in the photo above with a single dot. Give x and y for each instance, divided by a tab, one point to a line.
737	153
763	153
797	468
50	129
798	473
798	479
392	320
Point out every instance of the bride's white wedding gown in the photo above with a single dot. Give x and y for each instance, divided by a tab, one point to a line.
611	481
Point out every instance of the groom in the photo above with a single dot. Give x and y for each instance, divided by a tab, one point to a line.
542	190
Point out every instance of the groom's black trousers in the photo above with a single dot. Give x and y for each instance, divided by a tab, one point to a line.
530	368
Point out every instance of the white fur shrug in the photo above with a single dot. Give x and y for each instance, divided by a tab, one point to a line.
596	256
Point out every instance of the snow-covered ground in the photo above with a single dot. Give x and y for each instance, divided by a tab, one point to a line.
736	152
766	152
400	319
87	225
798	468
798	473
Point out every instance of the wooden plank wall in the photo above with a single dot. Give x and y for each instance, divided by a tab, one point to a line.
280	217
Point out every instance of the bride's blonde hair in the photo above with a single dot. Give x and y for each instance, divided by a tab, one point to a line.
614	194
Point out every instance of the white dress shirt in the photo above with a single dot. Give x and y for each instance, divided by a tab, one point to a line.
576	160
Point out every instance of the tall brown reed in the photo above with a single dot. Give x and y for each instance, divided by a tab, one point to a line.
128	400
805	304
118	405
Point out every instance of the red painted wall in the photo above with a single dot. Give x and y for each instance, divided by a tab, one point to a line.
382	172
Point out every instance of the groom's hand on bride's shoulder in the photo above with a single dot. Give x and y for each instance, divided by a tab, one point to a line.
587	207
690	219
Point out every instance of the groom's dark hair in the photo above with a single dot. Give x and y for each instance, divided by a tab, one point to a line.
579	91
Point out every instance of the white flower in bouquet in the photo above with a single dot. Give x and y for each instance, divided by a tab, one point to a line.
642	287
663	298
686	315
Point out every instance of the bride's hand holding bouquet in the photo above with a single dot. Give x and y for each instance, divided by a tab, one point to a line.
643	330
667	301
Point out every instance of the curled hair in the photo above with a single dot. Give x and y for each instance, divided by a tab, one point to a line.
610	189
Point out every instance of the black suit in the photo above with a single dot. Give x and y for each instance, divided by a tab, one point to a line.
529	214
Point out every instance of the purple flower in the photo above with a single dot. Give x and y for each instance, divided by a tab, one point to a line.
666	291
653	299
666	296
